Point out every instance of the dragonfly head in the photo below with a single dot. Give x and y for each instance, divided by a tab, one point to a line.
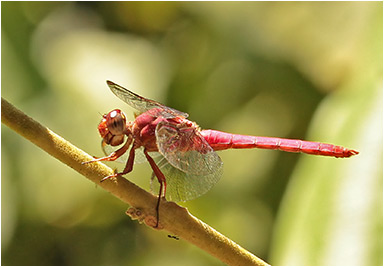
114	127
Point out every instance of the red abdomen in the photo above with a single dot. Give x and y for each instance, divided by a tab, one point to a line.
222	141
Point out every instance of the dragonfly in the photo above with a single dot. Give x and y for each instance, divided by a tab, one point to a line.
182	156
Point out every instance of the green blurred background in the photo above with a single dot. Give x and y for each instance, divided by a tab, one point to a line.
307	70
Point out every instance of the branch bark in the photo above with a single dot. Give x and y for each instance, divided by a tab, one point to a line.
173	218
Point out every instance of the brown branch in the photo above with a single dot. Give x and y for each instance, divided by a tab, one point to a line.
173	218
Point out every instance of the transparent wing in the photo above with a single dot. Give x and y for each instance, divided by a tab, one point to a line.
142	104
182	186
192	167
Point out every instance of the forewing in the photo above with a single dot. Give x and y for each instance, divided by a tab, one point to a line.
194	166
142	104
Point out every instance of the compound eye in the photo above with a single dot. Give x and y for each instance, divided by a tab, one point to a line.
116	122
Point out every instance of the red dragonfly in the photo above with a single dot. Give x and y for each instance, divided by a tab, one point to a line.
181	155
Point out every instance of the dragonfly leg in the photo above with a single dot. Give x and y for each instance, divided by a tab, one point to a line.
114	155
129	166
163	162
162	180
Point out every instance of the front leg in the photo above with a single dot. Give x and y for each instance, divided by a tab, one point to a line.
129	165
114	155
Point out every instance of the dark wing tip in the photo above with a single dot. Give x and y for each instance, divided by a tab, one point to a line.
110	83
